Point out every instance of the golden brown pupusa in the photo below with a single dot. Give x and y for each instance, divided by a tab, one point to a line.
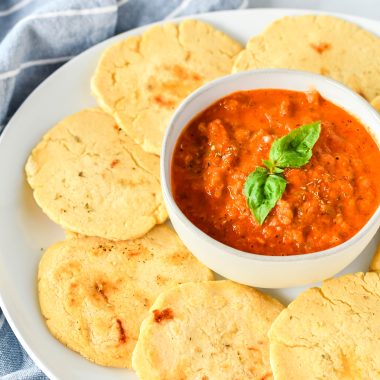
94	293
330	332
88	176
207	330
142	79
321	44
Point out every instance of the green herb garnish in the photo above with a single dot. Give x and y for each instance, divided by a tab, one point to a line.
265	186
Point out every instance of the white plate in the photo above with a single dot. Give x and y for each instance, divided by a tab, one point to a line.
25	231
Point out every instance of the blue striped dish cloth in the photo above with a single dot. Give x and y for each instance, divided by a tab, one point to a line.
37	37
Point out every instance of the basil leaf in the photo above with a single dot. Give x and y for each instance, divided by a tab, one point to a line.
253	184
295	149
269	164
265	186
272	167
262	191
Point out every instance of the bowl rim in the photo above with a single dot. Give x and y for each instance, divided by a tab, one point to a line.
171	204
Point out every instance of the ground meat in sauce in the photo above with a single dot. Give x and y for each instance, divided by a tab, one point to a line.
326	201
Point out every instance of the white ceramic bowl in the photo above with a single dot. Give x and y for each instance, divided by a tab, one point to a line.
247	268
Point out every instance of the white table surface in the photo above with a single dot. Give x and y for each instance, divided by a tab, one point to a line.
363	8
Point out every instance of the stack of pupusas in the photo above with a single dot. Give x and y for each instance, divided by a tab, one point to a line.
96	173
123	280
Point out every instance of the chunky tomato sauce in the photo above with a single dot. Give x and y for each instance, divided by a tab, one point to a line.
325	202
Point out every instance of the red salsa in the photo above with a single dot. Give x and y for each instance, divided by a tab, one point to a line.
326	201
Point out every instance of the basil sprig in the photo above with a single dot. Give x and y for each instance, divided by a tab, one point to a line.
265	186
